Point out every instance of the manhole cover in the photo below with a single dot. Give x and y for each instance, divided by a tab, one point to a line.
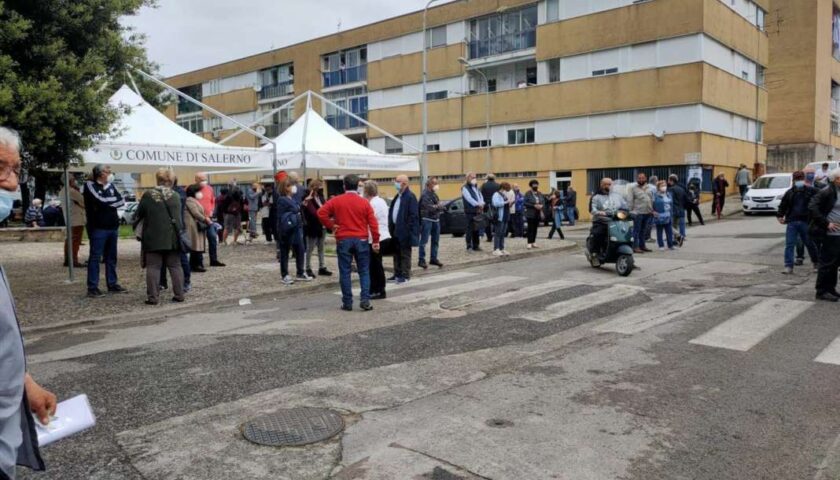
293	427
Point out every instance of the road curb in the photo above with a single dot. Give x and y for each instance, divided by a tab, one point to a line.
278	294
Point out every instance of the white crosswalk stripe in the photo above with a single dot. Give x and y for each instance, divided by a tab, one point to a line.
559	310
748	329
660	311
419	282
443	292
831	354
496	301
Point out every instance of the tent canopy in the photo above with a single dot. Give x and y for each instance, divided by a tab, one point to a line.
147	140
313	140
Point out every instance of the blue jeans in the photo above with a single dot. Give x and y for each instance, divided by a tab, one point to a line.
348	250
558	217
103	243
798	231
668	230
501	233
570	215
430	230
640	228
213	244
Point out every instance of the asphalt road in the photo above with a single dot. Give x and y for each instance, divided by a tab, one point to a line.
706	363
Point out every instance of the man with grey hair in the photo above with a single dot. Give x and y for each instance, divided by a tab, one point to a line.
825	228
20	396
102	199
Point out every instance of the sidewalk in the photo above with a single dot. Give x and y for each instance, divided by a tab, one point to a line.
45	300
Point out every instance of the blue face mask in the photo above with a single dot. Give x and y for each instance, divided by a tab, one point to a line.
7	200
398	186
799	183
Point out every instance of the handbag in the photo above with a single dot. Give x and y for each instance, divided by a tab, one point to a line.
183	238
480	222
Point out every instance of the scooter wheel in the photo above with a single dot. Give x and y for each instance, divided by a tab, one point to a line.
624	265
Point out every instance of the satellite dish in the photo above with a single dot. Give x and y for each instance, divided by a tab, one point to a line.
260	129
257	88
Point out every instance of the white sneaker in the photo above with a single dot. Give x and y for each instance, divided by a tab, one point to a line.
304	278
497	253
505	252
288	280
530	246
661	249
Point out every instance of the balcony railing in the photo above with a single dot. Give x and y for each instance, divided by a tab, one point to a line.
345	122
274	130
277	90
509	42
345	76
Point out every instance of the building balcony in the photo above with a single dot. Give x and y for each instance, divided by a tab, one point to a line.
185	108
346	122
277	90
510	42
345	76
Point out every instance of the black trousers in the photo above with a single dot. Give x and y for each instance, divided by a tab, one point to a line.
402	259
829	263
377	269
291	245
693	208
599	233
268	228
533	225
473	236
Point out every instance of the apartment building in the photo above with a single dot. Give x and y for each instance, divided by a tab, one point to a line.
804	83
565	91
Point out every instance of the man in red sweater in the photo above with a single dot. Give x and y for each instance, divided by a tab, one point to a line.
208	202
352	221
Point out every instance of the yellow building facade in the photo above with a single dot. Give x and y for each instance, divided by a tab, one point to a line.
804	82
577	90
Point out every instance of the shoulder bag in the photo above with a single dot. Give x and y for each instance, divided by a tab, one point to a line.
183	237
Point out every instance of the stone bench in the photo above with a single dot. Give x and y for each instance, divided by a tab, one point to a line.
43	234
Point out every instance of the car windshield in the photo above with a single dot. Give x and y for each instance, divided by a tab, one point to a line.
772	182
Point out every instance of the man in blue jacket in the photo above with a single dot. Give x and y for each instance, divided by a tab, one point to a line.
404	224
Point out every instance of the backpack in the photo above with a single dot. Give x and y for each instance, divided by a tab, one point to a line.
289	222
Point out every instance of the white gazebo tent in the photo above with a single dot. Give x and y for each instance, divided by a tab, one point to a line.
313	144
147	140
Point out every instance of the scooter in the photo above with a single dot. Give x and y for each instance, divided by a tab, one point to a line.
619	245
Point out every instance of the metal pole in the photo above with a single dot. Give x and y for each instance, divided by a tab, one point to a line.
424	152
256	122
68	207
305	128
487	161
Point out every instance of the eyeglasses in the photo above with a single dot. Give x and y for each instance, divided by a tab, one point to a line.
6	171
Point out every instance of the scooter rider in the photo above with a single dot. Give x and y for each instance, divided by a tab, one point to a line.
604	205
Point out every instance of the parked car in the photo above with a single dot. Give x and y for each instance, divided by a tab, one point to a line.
765	194
127	212
818	165
452	220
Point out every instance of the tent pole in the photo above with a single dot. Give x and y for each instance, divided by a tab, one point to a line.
68	242
133	83
257	121
305	129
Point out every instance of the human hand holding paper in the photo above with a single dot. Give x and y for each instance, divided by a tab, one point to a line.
42	402
71	416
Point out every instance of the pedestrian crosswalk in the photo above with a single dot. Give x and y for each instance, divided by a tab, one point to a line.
756	320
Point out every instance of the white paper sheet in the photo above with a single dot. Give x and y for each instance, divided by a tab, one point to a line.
71	416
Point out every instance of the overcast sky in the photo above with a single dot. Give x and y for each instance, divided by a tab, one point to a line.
185	35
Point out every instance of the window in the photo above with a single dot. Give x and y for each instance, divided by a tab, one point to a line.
759	132
193	124
436	37
531	75
521	136
745	75
353	99
608	71
504	32
185	106
554	70
760	75
392	147
491	84
214	87
760	14
553	10
480	143
441	95
346	66
433	148
277	81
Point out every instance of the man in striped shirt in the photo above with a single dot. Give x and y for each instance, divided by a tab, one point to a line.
101	203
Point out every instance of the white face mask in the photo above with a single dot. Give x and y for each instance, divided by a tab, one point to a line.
203	183
110	178
473	182
436	188
199	196
294	190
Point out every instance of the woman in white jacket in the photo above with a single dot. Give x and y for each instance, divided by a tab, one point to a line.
377	270
501	207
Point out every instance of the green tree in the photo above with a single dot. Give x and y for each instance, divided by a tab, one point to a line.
60	61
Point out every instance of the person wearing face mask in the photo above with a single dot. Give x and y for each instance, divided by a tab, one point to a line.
810	178
793	213
77	221
640	202
404	226
290	232
20	396
313	229
430	210
252	196
663	215
101	203
824	211
473	206
196	224
208	203
534	204
518	216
